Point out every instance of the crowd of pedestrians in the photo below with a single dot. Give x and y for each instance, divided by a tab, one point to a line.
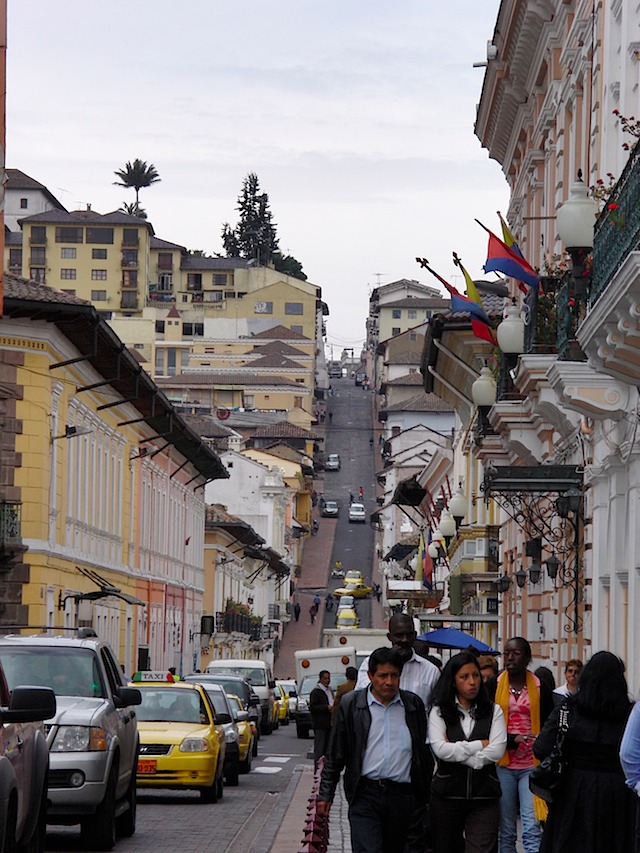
440	761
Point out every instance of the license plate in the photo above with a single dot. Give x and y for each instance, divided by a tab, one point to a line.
146	766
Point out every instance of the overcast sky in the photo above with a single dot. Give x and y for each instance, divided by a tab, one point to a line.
356	115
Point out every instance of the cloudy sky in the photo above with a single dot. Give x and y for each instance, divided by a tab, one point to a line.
356	115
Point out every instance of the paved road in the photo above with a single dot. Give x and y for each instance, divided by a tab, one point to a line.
349	434
244	821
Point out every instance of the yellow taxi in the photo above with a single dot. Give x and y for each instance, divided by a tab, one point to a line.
283	705
358	589
347	618
353	576
246	733
180	744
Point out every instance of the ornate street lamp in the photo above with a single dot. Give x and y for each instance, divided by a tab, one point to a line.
447	526
503	583
483	393
535	572
510	334
553	564
521	578
458	506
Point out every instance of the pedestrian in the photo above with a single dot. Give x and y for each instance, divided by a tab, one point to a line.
313	610
361	493
330	416
328	602
315	526
320	705
630	760
316	601
351	498
593	810
572	673
419	676
526	703
468	735
377	591
489	672
379	738
296	611
351	676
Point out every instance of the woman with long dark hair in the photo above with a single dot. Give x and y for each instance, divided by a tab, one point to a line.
592	809
526	703
468	736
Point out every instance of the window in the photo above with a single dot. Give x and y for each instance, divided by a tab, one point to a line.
159	359
293	308
39	234
263	307
68	254
68	290
15	259
99	254
130	278
99	235
66	234
37	274
98	295
67	274
129	299
215	296
297	329
194	281
413	336
165	281
130	237
229	294
396	313
165	261
171	361
24	204
297	402
129	257
98	275
219	279
412	313
159	327
395	330
249	401
38	256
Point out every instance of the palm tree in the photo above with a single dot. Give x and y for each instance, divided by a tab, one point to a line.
133	209
137	175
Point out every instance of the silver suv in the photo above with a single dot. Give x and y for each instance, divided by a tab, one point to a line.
93	737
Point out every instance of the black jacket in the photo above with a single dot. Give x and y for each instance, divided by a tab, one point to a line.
458	781
349	740
319	709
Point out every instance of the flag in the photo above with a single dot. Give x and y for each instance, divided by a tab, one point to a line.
502	258
480	324
421	553
427	564
463	304
510	240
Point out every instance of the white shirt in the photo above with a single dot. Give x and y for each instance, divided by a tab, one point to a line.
418	675
328	692
387	754
469	752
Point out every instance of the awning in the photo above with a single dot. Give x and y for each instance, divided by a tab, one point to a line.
400	551
408	492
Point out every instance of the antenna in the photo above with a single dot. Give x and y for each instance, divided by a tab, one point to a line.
378	275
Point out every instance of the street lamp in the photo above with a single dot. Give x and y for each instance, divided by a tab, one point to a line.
553	564
510	334
575	220
458	506
448	526
503	583
521	578
483	394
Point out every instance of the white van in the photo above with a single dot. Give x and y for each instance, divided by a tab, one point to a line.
259	675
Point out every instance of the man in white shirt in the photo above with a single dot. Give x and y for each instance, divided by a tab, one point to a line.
320	705
572	675
418	674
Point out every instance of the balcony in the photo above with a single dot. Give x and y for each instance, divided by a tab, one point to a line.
164	296
129	263
128	304
10	527
237	623
198	298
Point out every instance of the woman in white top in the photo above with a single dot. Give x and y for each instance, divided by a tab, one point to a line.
468	736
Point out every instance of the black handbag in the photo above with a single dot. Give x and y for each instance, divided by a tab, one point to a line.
545	778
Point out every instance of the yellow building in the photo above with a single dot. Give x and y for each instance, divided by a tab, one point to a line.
101	492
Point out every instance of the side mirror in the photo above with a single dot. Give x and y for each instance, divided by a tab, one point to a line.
29	705
242	716
223	718
272	684
293	694
125	696
254	701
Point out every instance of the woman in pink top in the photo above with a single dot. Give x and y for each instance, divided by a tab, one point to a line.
525	703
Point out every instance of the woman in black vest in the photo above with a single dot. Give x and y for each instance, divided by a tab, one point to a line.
468	736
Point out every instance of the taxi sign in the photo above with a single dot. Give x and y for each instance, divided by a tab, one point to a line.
150	675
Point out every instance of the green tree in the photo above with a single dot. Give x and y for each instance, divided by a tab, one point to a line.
137	175
133	209
255	237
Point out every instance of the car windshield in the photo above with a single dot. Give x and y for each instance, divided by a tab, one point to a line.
354	575
67	671
255	676
310	681
171	705
330	505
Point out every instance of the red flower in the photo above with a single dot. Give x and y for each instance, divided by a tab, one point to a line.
613	206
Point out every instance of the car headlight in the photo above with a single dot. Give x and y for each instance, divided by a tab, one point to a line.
231	736
195	744
79	739
302	705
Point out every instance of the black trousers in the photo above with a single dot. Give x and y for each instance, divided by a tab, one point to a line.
464	826
380	817
320	743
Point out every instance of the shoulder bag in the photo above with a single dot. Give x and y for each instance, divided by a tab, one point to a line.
545	778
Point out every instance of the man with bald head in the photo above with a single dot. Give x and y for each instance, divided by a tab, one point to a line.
418	674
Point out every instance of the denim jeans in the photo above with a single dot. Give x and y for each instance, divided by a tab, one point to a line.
515	789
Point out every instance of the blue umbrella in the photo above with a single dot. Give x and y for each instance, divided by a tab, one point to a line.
453	638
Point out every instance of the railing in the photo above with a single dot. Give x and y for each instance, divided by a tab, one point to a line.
161	296
570	311
10	524
617	231
129	305
540	329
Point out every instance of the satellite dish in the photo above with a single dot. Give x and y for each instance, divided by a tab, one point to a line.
222	414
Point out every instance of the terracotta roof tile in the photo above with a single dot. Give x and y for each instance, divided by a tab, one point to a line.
281	333
421	403
16	287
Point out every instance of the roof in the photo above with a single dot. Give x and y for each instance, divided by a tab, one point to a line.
208	426
87	217
17	180
406	379
224	379
280	347
420	403
157	243
274	360
216	516
99	346
434	302
406	357
281	333
197	262
284	451
284	429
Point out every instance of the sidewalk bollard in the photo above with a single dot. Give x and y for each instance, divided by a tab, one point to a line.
316	828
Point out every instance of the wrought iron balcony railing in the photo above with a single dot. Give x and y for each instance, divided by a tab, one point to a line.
540	317
10	525
617	231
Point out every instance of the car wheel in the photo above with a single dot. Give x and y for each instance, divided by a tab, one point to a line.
126	822
267	728
220	787
37	841
10	827
245	766
254	750
210	793
231	775
276	724
99	830
285	722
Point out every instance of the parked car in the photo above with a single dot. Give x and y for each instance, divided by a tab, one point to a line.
357	513
239	686
24	764
332	462
283	705
181	745
291	691
93	737
246	733
330	509
258	674
225	718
